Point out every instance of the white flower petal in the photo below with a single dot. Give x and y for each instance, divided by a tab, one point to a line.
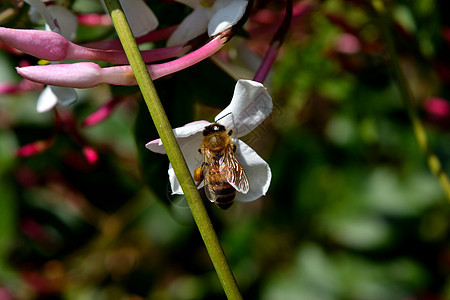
66	21
250	106
140	17
226	16
65	95
190	129
174	184
257	170
46	101
193	158
192	26
44	12
156	146
181	133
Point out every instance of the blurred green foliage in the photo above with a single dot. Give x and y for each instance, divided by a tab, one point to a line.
352	211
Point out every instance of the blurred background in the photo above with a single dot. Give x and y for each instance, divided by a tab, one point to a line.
353	211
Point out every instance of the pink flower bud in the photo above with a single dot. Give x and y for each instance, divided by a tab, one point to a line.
90	155
54	47
34	148
438	108
9	88
77	75
94	20
5	294
103	112
43	44
348	44
87	74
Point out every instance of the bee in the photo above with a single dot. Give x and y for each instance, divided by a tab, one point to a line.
221	172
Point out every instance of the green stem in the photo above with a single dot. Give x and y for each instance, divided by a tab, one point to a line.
173	150
408	99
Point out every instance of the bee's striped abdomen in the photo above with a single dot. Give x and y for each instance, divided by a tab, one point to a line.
222	190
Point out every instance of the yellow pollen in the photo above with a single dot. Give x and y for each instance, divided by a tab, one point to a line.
206	3
43	62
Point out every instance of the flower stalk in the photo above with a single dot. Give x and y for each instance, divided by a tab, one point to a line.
275	45
433	161
174	154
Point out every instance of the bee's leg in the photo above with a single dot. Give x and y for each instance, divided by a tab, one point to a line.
234	148
198	175
230	132
198	183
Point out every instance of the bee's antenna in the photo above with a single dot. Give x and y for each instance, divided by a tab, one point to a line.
223	116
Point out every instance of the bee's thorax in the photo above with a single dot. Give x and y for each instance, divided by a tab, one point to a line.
217	142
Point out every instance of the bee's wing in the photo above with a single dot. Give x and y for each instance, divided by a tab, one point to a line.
235	173
208	159
209	192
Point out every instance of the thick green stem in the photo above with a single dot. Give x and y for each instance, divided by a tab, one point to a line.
173	150
408	99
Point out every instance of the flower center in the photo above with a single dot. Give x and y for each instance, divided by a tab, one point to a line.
207	3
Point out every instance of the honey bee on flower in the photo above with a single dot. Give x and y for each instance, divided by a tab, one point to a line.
221	170
250	106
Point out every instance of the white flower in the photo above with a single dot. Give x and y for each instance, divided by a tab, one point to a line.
207	16
250	105
52	95
140	17
60	20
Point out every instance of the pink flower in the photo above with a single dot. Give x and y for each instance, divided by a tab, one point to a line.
220	16
438	108
103	112
52	46
88	74
34	148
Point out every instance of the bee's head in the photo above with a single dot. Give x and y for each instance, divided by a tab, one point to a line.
213	128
